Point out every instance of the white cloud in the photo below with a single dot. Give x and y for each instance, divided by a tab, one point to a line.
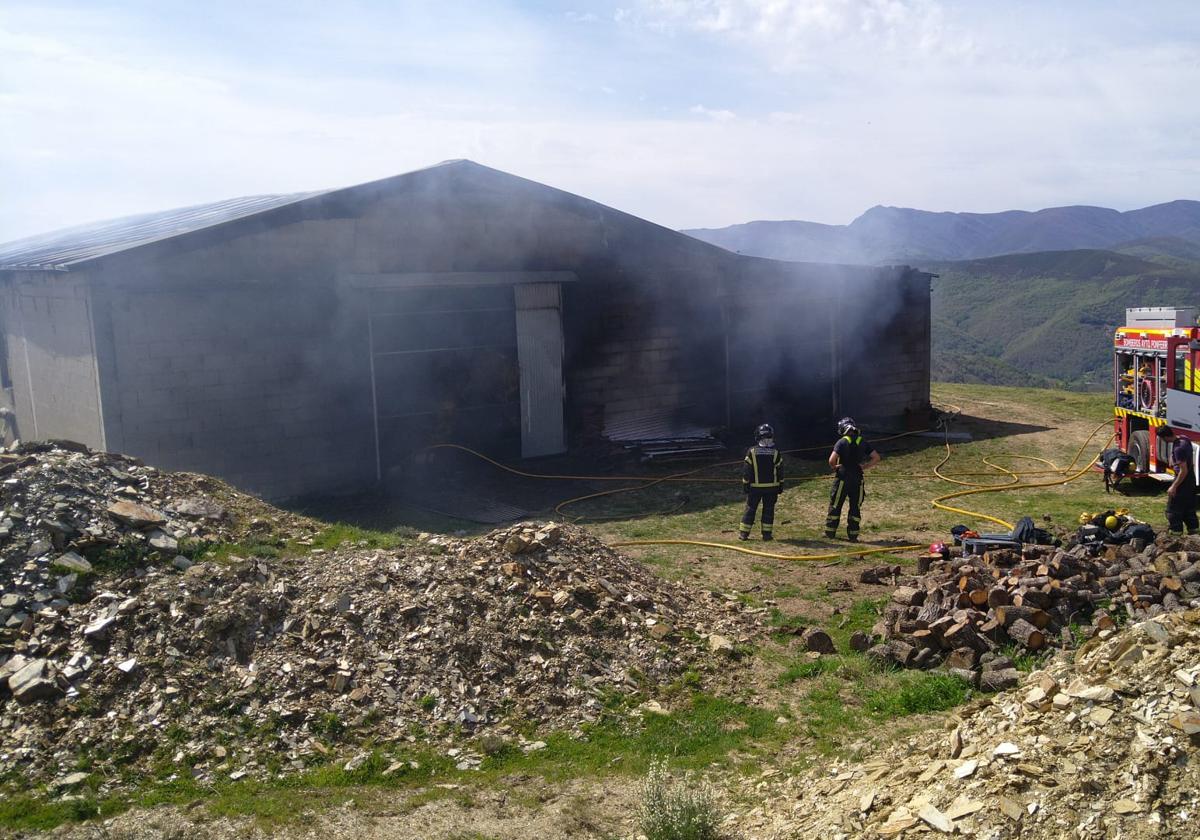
690	118
718	114
794	32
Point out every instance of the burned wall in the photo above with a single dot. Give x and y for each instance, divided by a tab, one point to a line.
642	352
886	364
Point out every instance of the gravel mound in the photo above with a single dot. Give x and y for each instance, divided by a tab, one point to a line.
1102	745
255	666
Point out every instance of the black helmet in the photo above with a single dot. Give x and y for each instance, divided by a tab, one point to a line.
847	425
764	431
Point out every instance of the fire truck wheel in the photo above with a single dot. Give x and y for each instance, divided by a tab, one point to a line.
1139	450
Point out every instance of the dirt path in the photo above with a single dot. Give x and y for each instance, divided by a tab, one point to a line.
524	808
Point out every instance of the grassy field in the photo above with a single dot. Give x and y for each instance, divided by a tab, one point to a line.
778	708
1010	427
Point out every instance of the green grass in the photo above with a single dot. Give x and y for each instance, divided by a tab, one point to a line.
807	669
917	693
131	553
845	696
706	730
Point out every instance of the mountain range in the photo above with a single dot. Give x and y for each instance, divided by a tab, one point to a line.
1018	298
903	235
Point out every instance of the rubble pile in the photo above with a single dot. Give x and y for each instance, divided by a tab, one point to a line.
66	508
1106	745
250	665
963	611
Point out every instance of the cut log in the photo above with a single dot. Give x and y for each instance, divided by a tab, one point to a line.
998	597
963	657
894	652
961	634
1028	635
908	596
979	597
990	626
1038	618
926	639
1031	598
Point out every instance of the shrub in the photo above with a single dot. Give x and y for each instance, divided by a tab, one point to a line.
677	812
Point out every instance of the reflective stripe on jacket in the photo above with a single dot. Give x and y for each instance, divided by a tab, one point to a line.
763	468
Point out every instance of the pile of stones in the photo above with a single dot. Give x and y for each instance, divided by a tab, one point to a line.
252	666
65	509
1105	743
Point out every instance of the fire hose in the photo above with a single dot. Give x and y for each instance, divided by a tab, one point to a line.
972	488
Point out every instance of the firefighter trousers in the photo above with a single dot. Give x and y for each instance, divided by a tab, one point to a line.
768	499
846	488
1181	511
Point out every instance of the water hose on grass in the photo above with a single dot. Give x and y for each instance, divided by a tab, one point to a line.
972	488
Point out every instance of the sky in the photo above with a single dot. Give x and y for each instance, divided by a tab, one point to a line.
690	113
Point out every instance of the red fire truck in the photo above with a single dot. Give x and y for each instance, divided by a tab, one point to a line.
1156	382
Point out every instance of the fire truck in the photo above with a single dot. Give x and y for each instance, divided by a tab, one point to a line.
1156	383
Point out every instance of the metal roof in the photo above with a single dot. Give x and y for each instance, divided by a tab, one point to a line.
60	249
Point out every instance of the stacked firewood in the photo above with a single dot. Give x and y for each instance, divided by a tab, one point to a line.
966	612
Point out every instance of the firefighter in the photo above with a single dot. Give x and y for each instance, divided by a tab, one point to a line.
1181	495
851	455
762	481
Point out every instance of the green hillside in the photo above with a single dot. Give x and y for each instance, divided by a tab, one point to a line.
1046	319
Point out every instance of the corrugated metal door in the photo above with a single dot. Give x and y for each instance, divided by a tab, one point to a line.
540	357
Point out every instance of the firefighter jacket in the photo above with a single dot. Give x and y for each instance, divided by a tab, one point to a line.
852	453
763	469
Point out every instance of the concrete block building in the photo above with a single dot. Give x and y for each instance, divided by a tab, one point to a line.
310	343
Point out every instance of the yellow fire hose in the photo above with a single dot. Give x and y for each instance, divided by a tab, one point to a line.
973	488
858	552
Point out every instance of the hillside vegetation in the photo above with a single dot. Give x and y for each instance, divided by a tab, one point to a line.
1047	318
1007	310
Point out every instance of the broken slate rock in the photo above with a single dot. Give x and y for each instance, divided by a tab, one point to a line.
31	683
720	644
72	562
162	541
139	516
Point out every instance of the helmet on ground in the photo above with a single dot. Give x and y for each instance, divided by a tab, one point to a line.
764	431
847	425
939	548
1112	523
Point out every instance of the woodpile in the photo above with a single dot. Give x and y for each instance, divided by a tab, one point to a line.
964	612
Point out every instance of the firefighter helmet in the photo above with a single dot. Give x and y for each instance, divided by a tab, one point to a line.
847	425
764	431
1112	523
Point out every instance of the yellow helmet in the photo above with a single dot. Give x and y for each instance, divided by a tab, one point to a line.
1112	523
